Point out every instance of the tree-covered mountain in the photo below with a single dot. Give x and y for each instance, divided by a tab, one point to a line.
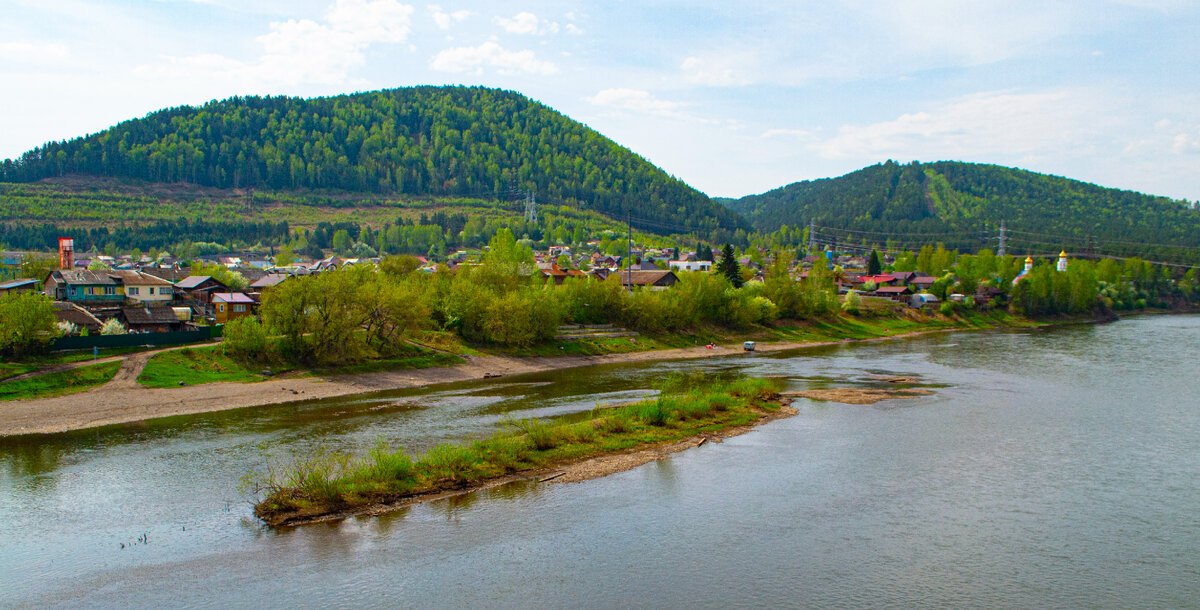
963	205
419	141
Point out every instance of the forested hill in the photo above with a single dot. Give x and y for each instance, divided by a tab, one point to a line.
424	141
962	204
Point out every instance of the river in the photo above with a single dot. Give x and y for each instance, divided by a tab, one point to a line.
1051	467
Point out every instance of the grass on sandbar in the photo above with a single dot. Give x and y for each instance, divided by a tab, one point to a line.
57	384
195	366
329	483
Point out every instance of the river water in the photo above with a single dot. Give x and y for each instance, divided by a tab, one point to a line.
1050	468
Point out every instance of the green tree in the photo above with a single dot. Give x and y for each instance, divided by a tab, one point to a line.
341	241
284	257
729	267
874	266
38	267
27	324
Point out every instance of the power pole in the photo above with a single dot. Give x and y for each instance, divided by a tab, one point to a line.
1091	246
1003	239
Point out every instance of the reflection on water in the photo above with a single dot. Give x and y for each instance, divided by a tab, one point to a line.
1050	467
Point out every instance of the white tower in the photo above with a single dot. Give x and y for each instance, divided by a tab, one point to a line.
1062	261
1028	264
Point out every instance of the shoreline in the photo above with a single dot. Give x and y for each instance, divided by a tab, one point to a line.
134	403
573	470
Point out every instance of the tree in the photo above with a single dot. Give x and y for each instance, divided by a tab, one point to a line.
223	274
342	241
285	257
874	266
27	323
728	267
38	267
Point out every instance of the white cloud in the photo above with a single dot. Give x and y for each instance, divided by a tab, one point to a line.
33	52
303	51
490	55
1007	124
639	101
527	23
1179	137
718	71
801	134
444	20
573	29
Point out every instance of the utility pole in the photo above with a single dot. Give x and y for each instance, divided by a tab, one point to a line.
1091	246
1003	239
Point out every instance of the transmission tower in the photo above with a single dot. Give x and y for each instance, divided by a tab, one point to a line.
1003	240
530	208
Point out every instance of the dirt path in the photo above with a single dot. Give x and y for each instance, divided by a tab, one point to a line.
66	366
127	375
102	406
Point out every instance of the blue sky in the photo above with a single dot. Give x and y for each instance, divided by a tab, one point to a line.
732	97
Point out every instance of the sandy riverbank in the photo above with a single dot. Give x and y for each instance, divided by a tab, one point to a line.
124	401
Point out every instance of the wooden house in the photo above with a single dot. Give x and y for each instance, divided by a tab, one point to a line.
200	288
231	306
85	287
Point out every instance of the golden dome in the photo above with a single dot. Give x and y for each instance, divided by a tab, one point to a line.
1062	254
1029	259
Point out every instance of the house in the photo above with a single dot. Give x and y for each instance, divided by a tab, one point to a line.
552	270
922	281
145	288
269	280
80	317
879	280
645	266
231	306
687	264
200	288
18	285
153	319
85	286
659	279
898	293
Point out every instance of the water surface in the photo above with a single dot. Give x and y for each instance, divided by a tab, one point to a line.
1053	467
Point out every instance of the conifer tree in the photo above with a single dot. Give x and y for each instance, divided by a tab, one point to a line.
728	266
874	267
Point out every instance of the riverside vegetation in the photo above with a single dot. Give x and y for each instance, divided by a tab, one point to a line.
329	484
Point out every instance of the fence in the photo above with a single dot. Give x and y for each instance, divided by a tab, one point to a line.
133	340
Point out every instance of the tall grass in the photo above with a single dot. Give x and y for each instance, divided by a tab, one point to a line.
328	482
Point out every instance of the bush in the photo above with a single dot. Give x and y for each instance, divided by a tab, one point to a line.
246	339
113	326
852	303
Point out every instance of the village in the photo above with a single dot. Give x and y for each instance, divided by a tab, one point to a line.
97	294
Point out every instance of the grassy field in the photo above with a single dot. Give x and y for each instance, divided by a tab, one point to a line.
60	383
12	369
195	366
329	483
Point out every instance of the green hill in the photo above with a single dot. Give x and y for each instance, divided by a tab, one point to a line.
421	141
963	204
